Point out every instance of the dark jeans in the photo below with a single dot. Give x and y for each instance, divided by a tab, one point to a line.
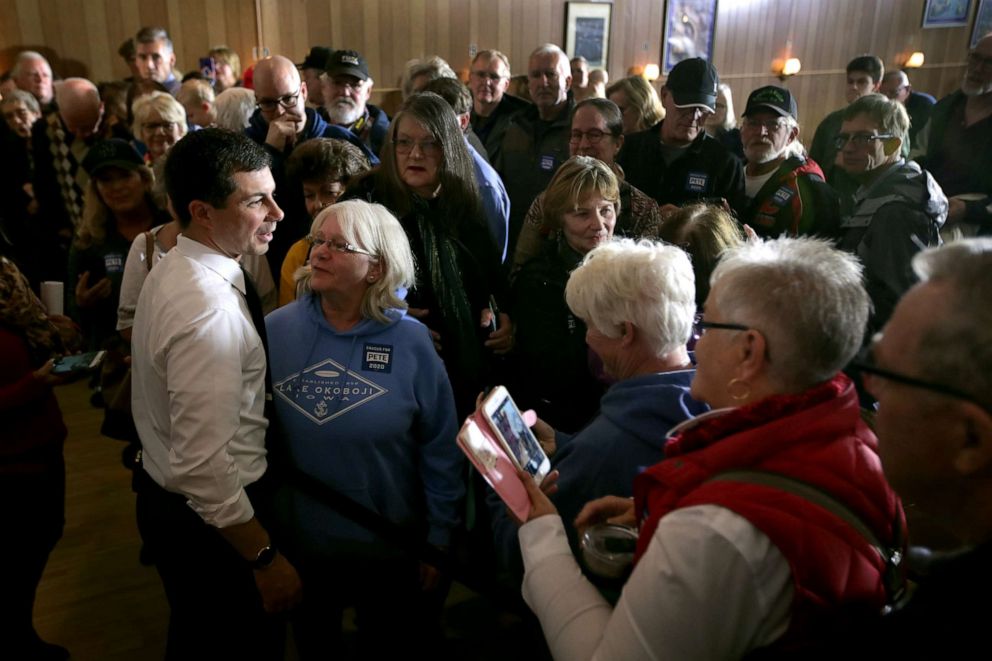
216	610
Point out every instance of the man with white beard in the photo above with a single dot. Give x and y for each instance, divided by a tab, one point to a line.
956	144
786	191
347	87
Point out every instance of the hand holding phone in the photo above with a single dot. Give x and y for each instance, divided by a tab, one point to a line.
509	427
83	362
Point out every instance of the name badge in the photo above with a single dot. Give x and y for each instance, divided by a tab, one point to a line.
377	358
113	263
783	195
547	162
695	182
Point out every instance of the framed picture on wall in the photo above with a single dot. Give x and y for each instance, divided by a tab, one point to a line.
946	13
983	21
587	31
689	26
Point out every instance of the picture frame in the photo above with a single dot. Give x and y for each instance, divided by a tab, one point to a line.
587	31
983	22
689	29
946	13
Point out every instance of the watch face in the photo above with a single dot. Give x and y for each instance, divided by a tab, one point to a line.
264	558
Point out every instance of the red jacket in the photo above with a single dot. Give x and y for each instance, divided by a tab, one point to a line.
818	438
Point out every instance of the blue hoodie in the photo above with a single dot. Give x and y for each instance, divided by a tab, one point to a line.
315	127
369	412
603	458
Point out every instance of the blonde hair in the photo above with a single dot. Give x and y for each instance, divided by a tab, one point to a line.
574	180
227	56
371	227
164	104
92	229
642	96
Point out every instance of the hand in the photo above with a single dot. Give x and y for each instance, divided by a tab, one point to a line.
545	435
540	504
750	235
500	340
44	374
86	295
279	585
282	132
608	509
421	314
430	577
956	209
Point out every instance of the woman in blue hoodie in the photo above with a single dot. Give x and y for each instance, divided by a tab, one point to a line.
367	409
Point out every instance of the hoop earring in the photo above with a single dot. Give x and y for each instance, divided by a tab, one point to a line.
743	384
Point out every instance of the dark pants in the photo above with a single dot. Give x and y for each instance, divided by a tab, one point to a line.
31	518
216	610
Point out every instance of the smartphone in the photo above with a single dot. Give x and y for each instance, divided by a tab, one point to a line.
513	433
207	67
83	362
494	320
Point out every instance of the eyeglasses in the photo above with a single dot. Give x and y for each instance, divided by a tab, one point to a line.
593	136
151	127
859	140
287	101
770	125
336	245
865	363
487	75
429	147
976	60
703	326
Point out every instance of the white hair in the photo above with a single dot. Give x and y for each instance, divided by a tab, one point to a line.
806	297
957	350
163	103
25	56
649	284
234	108
794	148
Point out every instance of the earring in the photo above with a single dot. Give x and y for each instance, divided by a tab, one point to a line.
742	394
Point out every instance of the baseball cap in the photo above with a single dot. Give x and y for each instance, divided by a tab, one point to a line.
347	63
114	153
693	82
774	98
316	58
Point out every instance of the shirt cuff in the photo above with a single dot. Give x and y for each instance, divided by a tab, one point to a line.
223	515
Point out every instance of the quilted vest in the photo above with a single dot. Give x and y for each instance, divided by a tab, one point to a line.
819	439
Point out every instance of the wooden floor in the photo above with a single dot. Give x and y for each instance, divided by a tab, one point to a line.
97	600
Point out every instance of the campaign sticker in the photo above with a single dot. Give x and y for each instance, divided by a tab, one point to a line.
783	195
113	263
547	162
377	358
695	182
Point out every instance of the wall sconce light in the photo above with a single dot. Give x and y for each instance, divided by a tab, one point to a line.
786	67
915	60
651	72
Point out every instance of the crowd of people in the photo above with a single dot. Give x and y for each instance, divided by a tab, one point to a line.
761	358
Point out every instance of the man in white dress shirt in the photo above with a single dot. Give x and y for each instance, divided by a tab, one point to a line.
199	387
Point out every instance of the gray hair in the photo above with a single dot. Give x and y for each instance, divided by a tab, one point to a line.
729	119
149	35
794	148
25	56
234	108
164	104
550	49
433	67
27	98
373	228
891	116
650	284
958	348
806	297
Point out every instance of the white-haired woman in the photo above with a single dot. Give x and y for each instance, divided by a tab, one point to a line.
367	410
769	523
159	122
722	124
235	107
638	301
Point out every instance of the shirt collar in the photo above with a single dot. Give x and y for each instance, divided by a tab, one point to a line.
226	267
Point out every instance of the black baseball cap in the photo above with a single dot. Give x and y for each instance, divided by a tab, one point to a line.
772	97
347	63
693	82
316	58
115	153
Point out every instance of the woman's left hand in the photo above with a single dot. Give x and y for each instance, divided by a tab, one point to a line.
540	504
501	339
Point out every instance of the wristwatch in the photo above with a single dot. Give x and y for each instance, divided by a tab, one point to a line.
266	556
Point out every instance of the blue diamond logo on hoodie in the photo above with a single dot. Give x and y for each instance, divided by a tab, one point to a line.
327	390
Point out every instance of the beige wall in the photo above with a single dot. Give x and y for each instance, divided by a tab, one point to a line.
824	34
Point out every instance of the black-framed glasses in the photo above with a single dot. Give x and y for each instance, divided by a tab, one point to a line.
594	136
287	101
865	364
704	325
336	245
429	147
859	140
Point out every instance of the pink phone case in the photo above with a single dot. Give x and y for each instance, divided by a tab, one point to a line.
499	471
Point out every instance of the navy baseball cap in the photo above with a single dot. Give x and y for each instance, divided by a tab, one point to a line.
693	82
115	153
772	97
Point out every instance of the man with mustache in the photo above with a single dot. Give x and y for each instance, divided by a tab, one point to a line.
675	162
786	192
347	87
956	144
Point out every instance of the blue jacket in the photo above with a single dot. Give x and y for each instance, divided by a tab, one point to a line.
315	127
370	413
626	437
495	200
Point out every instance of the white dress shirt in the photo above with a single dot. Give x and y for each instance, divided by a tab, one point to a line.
709	586
198	382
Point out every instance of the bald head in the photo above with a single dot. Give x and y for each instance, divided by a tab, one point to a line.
279	92
274	71
79	105
895	85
